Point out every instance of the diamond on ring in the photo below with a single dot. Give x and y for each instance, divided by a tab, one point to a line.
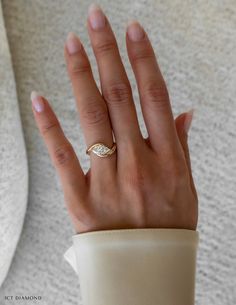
101	150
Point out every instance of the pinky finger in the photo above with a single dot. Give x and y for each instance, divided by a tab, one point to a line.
61	152
180	123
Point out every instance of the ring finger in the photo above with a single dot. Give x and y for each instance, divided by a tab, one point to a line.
153	91
91	106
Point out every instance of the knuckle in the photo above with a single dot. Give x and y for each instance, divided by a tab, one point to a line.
135	177
78	65
117	94
49	126
142	55
178	174
94	113
105	47
63	154
155	94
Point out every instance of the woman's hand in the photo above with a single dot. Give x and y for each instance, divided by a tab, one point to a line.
146	182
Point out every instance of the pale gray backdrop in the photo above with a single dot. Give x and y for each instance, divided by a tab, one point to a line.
195	43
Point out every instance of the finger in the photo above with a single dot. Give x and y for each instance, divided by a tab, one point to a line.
153	92
182	123
92	108
60	150
115	85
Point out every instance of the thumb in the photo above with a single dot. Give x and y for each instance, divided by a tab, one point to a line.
183	124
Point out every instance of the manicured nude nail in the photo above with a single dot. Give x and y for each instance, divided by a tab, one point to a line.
135	31
96	17
37	101
188	120
73	43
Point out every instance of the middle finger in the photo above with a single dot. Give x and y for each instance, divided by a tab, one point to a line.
115	85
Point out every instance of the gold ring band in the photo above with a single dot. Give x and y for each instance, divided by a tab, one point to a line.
101	149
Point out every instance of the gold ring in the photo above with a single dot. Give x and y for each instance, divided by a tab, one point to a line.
101	150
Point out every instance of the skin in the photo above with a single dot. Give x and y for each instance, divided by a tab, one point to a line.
146	183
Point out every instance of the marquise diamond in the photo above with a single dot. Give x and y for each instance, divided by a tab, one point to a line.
100	149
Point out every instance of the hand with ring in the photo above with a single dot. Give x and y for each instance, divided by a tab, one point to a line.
132	182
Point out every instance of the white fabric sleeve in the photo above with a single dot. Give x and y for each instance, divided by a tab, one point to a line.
148	266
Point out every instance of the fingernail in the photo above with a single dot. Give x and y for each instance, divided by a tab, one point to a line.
37	101
188	120
96	17
135	30
73	43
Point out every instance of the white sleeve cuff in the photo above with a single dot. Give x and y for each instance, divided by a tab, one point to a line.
70	257
148	266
